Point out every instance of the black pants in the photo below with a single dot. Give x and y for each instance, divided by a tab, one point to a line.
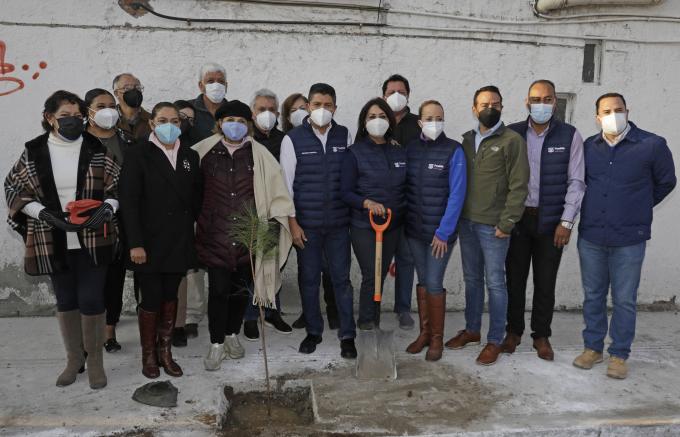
157	288
113	291
228	296
363	243
81	287
528	247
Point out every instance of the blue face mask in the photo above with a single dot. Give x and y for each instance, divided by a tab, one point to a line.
234	130
540	112
167	133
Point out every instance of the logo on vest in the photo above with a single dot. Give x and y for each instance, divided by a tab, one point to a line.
308	153
400	164
438	167
337	149
560	149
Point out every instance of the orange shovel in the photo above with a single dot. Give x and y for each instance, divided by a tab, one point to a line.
379	229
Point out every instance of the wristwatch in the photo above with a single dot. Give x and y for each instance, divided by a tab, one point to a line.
566	224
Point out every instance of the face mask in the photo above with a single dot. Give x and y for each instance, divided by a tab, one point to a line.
489	117
234	130
432	129
266	120
614	124
397	101
215	92
167	133
106	118
133	98
377	127
321	116
297	117
540	112
70	128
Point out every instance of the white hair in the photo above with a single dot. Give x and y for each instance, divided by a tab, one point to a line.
265	92
211	67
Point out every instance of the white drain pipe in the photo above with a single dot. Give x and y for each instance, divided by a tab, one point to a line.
544	6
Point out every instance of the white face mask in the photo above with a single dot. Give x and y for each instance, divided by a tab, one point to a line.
615	123
296	117
265	120
215	92
106	118
397	101
321	117
432	129
377	127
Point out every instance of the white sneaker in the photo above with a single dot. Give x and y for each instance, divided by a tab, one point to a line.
216	354
233	348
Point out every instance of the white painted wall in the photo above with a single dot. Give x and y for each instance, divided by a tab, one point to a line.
86	43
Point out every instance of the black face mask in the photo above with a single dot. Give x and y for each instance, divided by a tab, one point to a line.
185	126
70	128
489	117
133	98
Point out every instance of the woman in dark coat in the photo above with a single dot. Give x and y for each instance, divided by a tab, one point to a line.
160	192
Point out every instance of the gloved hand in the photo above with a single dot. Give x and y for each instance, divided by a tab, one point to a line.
56	220
100	216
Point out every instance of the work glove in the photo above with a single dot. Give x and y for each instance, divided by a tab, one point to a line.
101	215
56	220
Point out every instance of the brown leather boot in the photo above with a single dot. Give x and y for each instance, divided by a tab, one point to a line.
510	343
147	336
436	307
165	327
425	333
462	339
544	349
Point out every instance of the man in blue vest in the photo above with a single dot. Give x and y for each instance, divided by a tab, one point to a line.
311	158
556	187
628	172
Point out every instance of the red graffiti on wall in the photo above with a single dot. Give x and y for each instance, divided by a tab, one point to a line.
13	84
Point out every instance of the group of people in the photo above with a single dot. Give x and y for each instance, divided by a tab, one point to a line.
110	187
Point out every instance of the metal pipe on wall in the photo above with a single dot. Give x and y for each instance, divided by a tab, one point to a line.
544	6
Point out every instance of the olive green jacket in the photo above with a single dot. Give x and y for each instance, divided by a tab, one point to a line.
498	178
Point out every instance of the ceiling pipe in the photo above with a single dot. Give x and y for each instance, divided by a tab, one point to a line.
545	6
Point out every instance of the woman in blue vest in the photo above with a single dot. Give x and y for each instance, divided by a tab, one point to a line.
374	180
436	182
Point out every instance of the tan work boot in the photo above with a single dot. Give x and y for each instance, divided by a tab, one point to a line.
616	368
587	359
436	307
462	339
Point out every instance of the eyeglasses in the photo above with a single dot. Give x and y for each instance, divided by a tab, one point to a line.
127	88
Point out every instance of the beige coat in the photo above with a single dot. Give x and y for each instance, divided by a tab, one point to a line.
272	202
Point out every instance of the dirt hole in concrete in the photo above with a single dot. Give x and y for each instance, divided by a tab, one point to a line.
247	412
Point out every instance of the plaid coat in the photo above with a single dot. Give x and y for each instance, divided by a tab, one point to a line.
31	179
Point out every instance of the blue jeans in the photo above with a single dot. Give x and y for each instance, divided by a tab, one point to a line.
430	269
335	244
253	312
403	281
602	267
483	256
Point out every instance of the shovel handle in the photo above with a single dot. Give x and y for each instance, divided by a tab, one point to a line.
379	229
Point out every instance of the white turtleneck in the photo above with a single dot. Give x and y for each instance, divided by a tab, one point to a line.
64	156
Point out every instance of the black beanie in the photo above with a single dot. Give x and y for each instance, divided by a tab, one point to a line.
233	108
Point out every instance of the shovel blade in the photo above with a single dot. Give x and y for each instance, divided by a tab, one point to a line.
376	355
